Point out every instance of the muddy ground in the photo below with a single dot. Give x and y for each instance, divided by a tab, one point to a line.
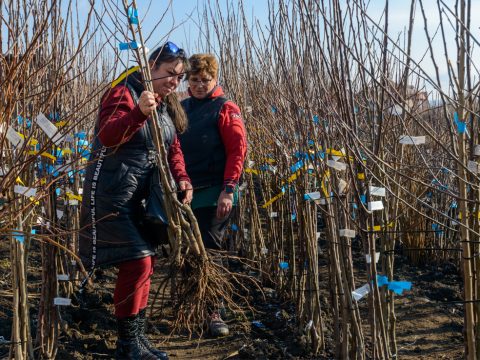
429	321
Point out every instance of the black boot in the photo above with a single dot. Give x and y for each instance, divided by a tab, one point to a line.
143	338
129	346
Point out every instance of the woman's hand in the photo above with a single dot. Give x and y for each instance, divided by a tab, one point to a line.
186	187
224	205
147	102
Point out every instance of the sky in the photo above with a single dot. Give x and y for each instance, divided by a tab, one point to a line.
188	13
185	25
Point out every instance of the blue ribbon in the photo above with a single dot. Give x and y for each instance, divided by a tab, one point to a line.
17	235
396	286
133	15
461	125
437	229
298	165
83	142
20	120
54	116
283	265
81	135
258	324
129	45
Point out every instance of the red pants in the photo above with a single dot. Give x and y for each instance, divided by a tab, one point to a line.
133	285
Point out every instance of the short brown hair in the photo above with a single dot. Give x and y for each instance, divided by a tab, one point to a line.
203	63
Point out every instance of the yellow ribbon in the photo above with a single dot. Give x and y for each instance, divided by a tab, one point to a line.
124	75
72	196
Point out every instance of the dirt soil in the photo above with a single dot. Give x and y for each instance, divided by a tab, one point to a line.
429	321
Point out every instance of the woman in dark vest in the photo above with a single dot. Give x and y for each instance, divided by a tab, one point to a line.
118	182
214	147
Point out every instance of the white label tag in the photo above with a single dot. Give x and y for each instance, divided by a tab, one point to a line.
396	110
264	251
251	163
361	292
28	192
73	202
274	214
337	165
62	301
63	277
368	258
342	185
312	196
473	166
347	233
321	201
318	235
48	128
477	150
412	140
377	191
59	214
375	205
15	139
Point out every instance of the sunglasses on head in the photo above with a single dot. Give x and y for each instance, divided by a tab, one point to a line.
171	48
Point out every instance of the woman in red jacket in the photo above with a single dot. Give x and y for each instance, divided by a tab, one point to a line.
118	182
214	147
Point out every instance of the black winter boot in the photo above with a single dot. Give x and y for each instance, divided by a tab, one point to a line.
129	346
143	338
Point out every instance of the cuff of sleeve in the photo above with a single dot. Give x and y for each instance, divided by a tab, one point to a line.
184	178
137	115
230	182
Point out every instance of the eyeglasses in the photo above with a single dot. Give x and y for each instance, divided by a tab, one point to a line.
200	81
180	76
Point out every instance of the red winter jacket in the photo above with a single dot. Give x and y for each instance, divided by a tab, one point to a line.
120	119
233	134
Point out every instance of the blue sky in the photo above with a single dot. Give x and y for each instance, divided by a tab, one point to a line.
189	14
184	24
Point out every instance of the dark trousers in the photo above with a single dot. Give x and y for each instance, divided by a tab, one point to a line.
211	228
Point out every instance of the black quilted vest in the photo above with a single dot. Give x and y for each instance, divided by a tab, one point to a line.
116	184
202	145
